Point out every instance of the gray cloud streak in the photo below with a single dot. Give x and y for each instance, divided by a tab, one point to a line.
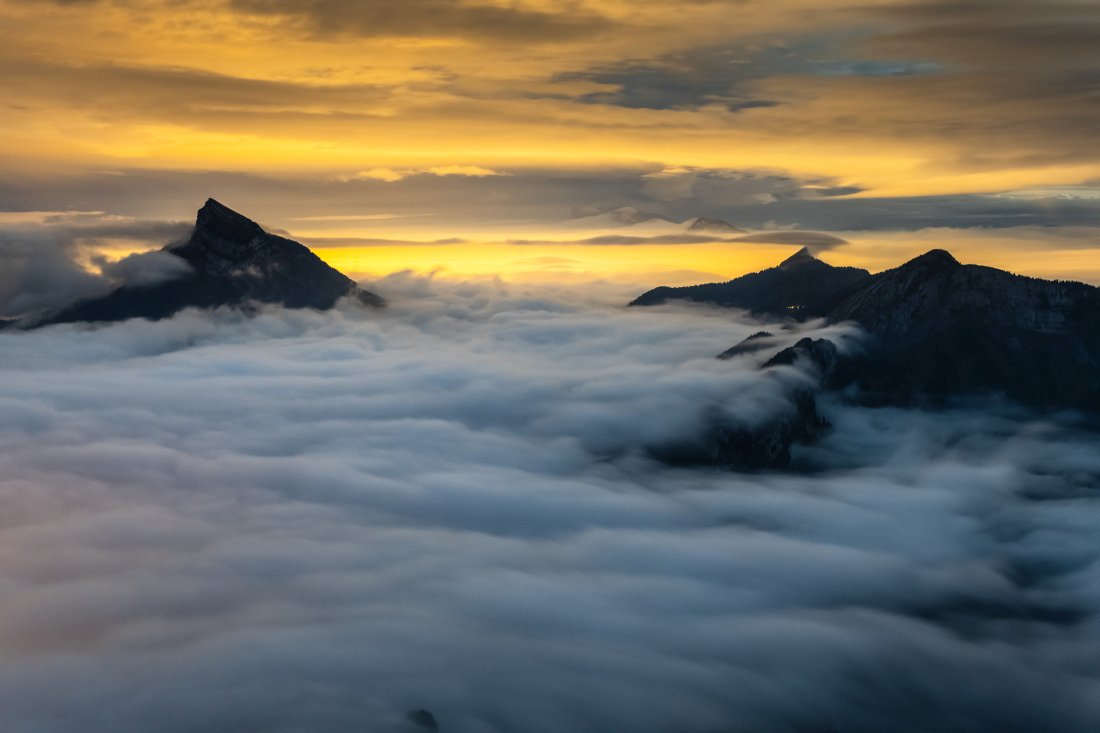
433	18
814	240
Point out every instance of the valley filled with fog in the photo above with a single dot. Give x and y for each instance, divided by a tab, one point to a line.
305	521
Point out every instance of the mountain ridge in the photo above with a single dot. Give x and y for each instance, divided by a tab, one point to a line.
937	328
781	290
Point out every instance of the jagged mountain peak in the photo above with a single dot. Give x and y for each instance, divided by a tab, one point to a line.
798	259
214	216
222	231
213	209
232	262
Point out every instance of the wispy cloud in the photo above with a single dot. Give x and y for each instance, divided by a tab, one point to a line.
390	175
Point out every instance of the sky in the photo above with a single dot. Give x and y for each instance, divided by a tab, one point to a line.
481	138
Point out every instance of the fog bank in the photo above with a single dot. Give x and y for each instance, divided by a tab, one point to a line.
319	521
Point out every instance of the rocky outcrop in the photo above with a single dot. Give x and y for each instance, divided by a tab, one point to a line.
757	342
758	446
233	262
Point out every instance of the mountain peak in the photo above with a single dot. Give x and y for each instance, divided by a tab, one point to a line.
215	220
232	262
798	259
938	259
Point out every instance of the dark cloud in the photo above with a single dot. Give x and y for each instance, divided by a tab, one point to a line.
728	74
919	212
319	521
1046	35
1018	86
512	23
1003	84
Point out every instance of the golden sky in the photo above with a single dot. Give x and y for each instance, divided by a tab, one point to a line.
887	123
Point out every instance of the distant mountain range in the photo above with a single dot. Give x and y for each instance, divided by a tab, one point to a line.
936	329
233	262
628	216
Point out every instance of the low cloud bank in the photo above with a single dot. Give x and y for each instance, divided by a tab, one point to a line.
317	522
53	261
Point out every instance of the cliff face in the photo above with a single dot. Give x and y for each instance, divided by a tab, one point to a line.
233	261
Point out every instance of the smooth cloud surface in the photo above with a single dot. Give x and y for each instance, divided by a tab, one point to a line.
316	522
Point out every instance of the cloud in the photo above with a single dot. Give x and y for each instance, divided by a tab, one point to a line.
378	242
626	239
511	23
195	97
531	203
143	269
53	258
720	187
816	241
390	175
727	74
319	521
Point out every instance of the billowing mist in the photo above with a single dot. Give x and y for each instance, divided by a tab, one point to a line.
317	522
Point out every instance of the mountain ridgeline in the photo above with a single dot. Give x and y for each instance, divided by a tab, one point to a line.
937	329
801	286
232	262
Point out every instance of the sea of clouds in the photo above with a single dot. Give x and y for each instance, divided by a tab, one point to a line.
309	522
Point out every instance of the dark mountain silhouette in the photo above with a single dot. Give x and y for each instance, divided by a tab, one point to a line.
941	329
937	330
234	262
801	287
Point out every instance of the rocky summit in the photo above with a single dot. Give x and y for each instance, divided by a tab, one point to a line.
233	262
937	330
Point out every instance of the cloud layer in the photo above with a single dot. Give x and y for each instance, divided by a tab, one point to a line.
317	522
54	258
